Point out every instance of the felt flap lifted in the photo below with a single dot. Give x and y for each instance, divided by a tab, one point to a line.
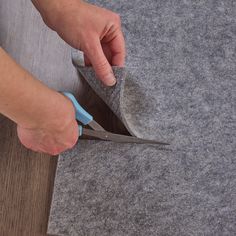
110	95
127	99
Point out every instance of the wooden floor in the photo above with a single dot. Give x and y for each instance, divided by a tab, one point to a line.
26	184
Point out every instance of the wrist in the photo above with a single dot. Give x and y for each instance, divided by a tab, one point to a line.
55	113
27	101
48	10
61	112
53	10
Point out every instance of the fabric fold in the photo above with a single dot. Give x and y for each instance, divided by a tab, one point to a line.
118	98
129	99
110	95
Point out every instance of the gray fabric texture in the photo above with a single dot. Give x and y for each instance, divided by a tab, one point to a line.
179	84
111	96
104	188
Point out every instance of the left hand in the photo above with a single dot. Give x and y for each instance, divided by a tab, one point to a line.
91	29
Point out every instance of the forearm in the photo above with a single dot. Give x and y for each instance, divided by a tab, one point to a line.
51	10
44	7
23	98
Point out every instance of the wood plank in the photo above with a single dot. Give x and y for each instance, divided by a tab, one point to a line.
26	184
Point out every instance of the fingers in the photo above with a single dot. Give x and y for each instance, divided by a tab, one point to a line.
96	56
87	61
117	47
52	143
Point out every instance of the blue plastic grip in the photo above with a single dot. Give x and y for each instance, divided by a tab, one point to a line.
81	115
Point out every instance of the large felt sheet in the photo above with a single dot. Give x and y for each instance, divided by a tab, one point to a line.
178	85
104	188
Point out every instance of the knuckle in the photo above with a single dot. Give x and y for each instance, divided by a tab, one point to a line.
102	69
116	18
76	42
87	42
86	46
91	50
101	65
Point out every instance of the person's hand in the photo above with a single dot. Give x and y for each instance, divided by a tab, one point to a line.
45	118
54	132
91	29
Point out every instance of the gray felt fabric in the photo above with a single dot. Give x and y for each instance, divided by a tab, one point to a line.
179	84
104	189
112	96
123	99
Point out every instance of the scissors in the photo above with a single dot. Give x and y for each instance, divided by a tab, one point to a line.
97	131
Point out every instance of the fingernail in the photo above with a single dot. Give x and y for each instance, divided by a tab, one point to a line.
110	80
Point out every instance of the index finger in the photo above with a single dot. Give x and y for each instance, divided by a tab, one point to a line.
117	48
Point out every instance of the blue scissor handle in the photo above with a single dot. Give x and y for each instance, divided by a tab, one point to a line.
81	115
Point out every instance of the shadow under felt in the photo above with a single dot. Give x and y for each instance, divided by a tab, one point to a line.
99	109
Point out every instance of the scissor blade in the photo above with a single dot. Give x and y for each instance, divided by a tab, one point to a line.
95	126
119	138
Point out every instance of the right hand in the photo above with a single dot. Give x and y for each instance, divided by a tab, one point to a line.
54	132
45	118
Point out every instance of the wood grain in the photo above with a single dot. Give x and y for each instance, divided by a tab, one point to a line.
26	184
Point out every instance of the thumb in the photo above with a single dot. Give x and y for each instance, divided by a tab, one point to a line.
103	69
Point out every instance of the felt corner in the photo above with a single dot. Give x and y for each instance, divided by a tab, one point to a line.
127	99
124	99
112	96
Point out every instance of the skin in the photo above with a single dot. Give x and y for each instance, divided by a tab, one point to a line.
93	30
46	122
